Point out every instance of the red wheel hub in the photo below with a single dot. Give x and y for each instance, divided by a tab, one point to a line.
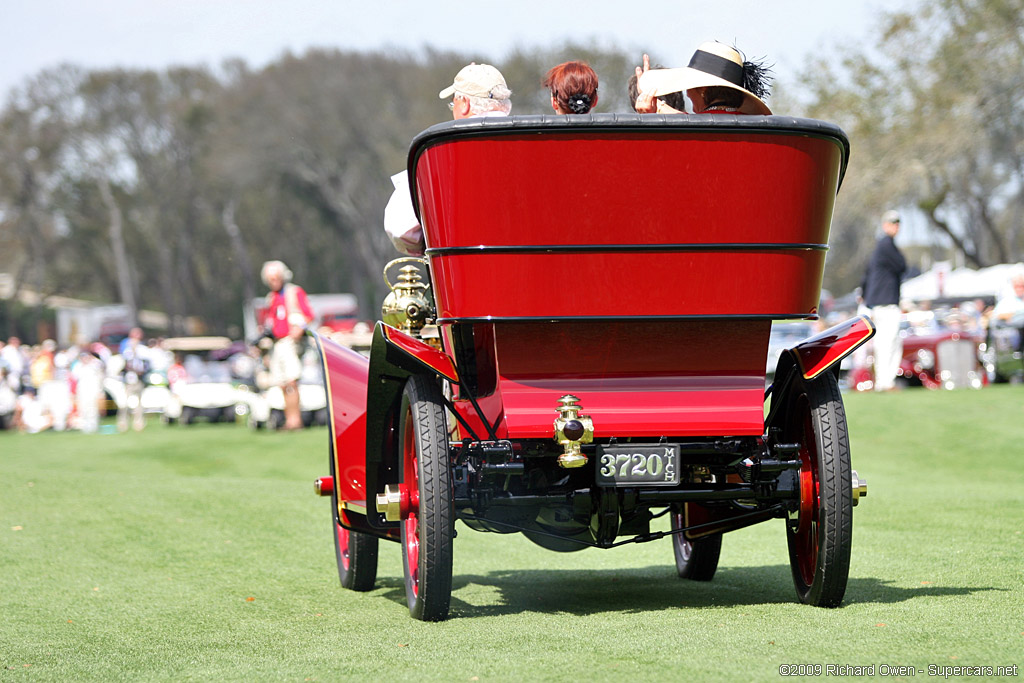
410	481
806	534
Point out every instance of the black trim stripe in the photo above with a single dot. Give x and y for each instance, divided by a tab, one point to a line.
626	318
622	248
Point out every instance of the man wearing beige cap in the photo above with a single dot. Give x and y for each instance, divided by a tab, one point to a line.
881	292
478	90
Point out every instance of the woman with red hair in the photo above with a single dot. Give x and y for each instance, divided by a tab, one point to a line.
573	87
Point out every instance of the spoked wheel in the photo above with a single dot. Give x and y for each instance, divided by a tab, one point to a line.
355	552
697	559
428	529
820	530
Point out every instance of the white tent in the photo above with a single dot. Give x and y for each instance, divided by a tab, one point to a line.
942	282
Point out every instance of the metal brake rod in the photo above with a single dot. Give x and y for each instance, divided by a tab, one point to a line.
483	418
462	421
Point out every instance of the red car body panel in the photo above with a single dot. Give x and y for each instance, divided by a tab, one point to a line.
652	338
590	243
633	378
345	376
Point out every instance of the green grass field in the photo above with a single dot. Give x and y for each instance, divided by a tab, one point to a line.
202	554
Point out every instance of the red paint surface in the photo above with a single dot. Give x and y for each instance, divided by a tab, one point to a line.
769	283
825	349
655	188
634	379
346	373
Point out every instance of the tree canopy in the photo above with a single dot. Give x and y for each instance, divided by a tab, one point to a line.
935	115
167	189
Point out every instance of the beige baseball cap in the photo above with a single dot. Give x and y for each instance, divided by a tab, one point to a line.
478	80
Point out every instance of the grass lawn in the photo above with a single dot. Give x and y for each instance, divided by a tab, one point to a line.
201	553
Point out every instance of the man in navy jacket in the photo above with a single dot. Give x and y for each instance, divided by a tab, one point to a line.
881	292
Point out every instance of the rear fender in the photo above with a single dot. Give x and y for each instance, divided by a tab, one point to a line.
827	349
394	356
815	355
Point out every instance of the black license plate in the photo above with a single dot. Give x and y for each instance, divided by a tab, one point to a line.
635	464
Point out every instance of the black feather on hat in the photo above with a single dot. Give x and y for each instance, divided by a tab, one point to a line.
757	78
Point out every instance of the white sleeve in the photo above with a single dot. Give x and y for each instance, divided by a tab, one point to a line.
400	221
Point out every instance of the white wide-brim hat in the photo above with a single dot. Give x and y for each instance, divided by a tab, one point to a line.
713	64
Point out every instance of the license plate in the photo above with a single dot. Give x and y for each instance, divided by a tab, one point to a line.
634	464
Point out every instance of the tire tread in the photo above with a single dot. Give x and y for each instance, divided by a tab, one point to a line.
835	522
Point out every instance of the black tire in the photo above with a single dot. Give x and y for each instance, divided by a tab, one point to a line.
276	419
356	553
427	529
820	531
696	560
188	415
228	414
320	417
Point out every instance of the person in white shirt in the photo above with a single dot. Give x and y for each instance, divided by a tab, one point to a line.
13	355
88	372
31	415
1010	308
478	90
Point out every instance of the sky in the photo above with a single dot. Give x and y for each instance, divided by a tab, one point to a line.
35	34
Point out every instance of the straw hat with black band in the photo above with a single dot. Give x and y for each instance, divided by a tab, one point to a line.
714	64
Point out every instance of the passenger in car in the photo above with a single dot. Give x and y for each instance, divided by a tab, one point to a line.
717	80
669	103
573	87
478	90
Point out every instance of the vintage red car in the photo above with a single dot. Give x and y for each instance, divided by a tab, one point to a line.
604	289
935	356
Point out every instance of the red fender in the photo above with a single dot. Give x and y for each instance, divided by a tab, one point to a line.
817	354
813	356
345	378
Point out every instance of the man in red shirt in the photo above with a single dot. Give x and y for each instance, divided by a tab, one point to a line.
286	317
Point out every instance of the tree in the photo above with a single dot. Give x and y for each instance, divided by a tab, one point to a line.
936	121
166	189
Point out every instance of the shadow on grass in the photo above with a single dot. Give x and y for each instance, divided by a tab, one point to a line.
585	592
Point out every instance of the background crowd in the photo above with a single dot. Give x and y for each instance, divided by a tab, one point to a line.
46	386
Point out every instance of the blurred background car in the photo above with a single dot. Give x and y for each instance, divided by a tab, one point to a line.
206	379
940	351
785	334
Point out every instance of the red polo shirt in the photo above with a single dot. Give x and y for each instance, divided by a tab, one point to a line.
275	318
